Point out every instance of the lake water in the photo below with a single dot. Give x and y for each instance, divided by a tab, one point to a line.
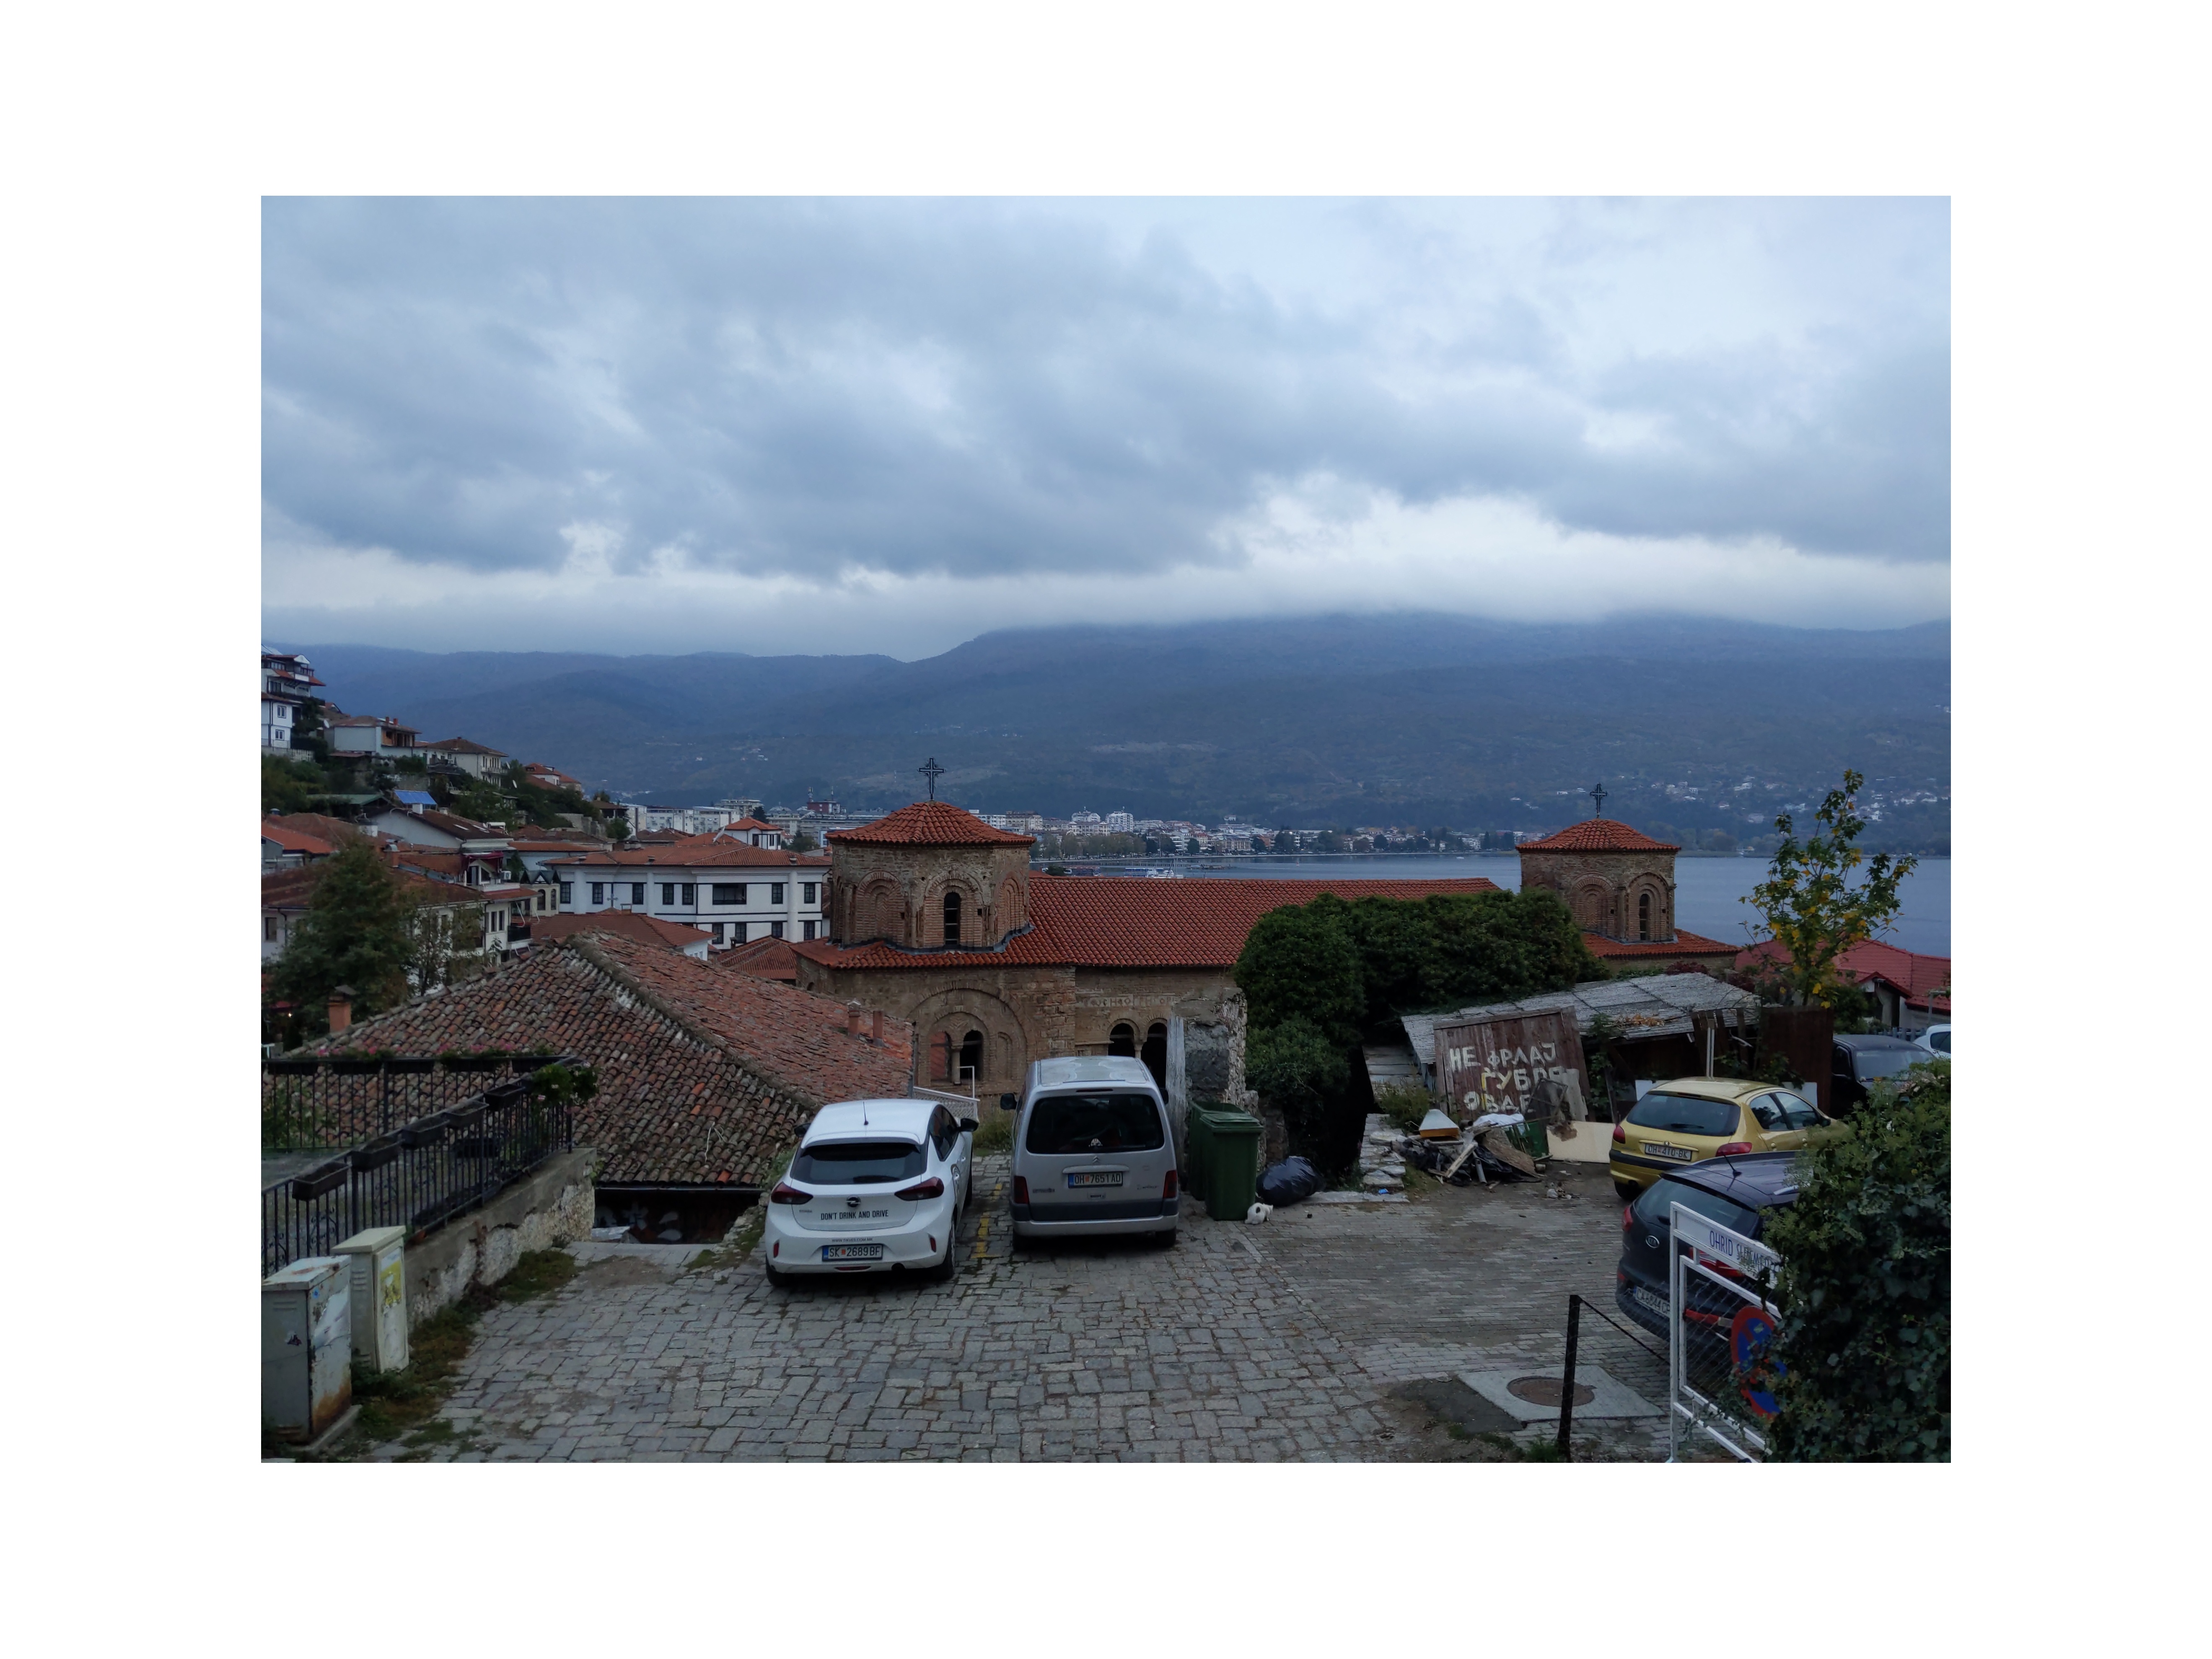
1707	891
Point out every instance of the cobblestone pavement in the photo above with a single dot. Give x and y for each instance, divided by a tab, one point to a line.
1272	1342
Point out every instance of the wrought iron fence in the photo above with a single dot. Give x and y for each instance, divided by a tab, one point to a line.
308	1102
425	1171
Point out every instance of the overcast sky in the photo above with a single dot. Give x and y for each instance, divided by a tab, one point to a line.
889	426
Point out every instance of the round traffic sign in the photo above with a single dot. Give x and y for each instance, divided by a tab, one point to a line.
1750	1334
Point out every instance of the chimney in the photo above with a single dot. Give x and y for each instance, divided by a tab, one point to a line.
341	1008
853	1019
878	1036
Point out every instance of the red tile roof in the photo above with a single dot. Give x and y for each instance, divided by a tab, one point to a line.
765	958
292	841
290	889
929	823
335	832
695	852
703	1076
626	924
1684	944
1598	836
1918	978
462	746
1119	921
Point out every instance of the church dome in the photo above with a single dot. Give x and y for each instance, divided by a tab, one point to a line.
929	823
1598	836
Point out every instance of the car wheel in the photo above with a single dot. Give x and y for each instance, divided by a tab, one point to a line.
1165	1241
1628	1190
943	1272
777	1279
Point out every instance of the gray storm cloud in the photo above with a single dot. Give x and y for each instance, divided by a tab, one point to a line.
964	390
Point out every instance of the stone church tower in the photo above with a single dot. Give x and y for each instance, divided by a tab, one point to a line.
928	878
1617	881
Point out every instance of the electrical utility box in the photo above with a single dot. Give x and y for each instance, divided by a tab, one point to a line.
306	1346
377	1287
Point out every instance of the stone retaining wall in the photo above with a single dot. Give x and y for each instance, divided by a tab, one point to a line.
552	1205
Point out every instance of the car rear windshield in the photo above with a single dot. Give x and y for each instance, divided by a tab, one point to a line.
1104	1122
858	1162
1662	1194
1868	1064
1940	1042
1685	1114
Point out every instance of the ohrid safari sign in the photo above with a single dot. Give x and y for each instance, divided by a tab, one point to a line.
1494	1065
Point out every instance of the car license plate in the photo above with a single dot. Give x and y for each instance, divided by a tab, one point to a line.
852	1253
1093	1178
1679	1154
1651	1299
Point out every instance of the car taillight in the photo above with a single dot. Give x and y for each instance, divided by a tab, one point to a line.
1021	1189
1168	1190
1733	1148
1621	1133
785	1192
931	1187
1627	1217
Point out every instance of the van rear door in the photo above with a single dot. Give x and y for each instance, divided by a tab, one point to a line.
1097	1154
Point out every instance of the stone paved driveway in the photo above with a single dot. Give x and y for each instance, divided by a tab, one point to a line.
1278	1341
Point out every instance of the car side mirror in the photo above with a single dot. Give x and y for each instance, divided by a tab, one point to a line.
970	1125
1005	1102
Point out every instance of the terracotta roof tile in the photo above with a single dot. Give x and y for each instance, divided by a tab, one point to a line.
1598	836
628	924
1918	977
929	823
1116	921
703	1075
765	958
292	840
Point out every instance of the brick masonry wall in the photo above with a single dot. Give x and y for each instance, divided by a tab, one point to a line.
992	882
1600	888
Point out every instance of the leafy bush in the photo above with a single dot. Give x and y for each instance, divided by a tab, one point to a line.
995	1133
1865	1284
1295	1066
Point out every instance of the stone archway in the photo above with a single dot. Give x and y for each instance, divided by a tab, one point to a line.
971	1027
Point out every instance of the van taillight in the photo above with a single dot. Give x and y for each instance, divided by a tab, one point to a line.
1021	1189
785	1192
1169	1189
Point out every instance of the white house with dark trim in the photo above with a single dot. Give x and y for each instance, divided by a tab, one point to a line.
737	892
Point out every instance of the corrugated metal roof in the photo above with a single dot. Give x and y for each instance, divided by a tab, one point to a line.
1659	1004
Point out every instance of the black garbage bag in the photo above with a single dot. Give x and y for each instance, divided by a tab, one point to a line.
1289	1182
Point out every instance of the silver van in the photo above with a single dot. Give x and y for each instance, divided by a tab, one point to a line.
1093	1151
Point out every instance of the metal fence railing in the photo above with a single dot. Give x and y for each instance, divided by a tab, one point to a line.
1721	1327
309	1101
424	1172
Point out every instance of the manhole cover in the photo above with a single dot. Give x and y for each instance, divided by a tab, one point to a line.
1545	1390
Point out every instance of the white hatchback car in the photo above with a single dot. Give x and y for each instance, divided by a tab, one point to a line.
876	1186
1093	1153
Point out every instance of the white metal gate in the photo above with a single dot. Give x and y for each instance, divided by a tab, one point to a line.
1720	1331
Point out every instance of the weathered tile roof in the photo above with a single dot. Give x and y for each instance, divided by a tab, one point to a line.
929	823
1598	836
628	924
294	841
1115	922
767	958
703	1075
462	746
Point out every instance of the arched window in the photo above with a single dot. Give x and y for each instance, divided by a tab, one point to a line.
1123	1041
972	1058
1644	914
1155	1055
952	918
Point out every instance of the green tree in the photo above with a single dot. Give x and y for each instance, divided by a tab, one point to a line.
357	932
803	842
1484	947
445	941
1294	1066
1864	1341
1807	900
1302	961
289	786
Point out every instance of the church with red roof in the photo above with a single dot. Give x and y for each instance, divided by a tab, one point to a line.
1620	884
936	917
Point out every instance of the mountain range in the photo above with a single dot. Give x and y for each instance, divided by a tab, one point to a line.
1406	717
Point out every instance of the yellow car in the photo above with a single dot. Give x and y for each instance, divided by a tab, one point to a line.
1695	1118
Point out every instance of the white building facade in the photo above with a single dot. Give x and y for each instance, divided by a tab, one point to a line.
733	892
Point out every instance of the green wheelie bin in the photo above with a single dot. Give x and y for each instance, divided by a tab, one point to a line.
1232	1164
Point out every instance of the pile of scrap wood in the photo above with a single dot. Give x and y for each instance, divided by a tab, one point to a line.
1482	1152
